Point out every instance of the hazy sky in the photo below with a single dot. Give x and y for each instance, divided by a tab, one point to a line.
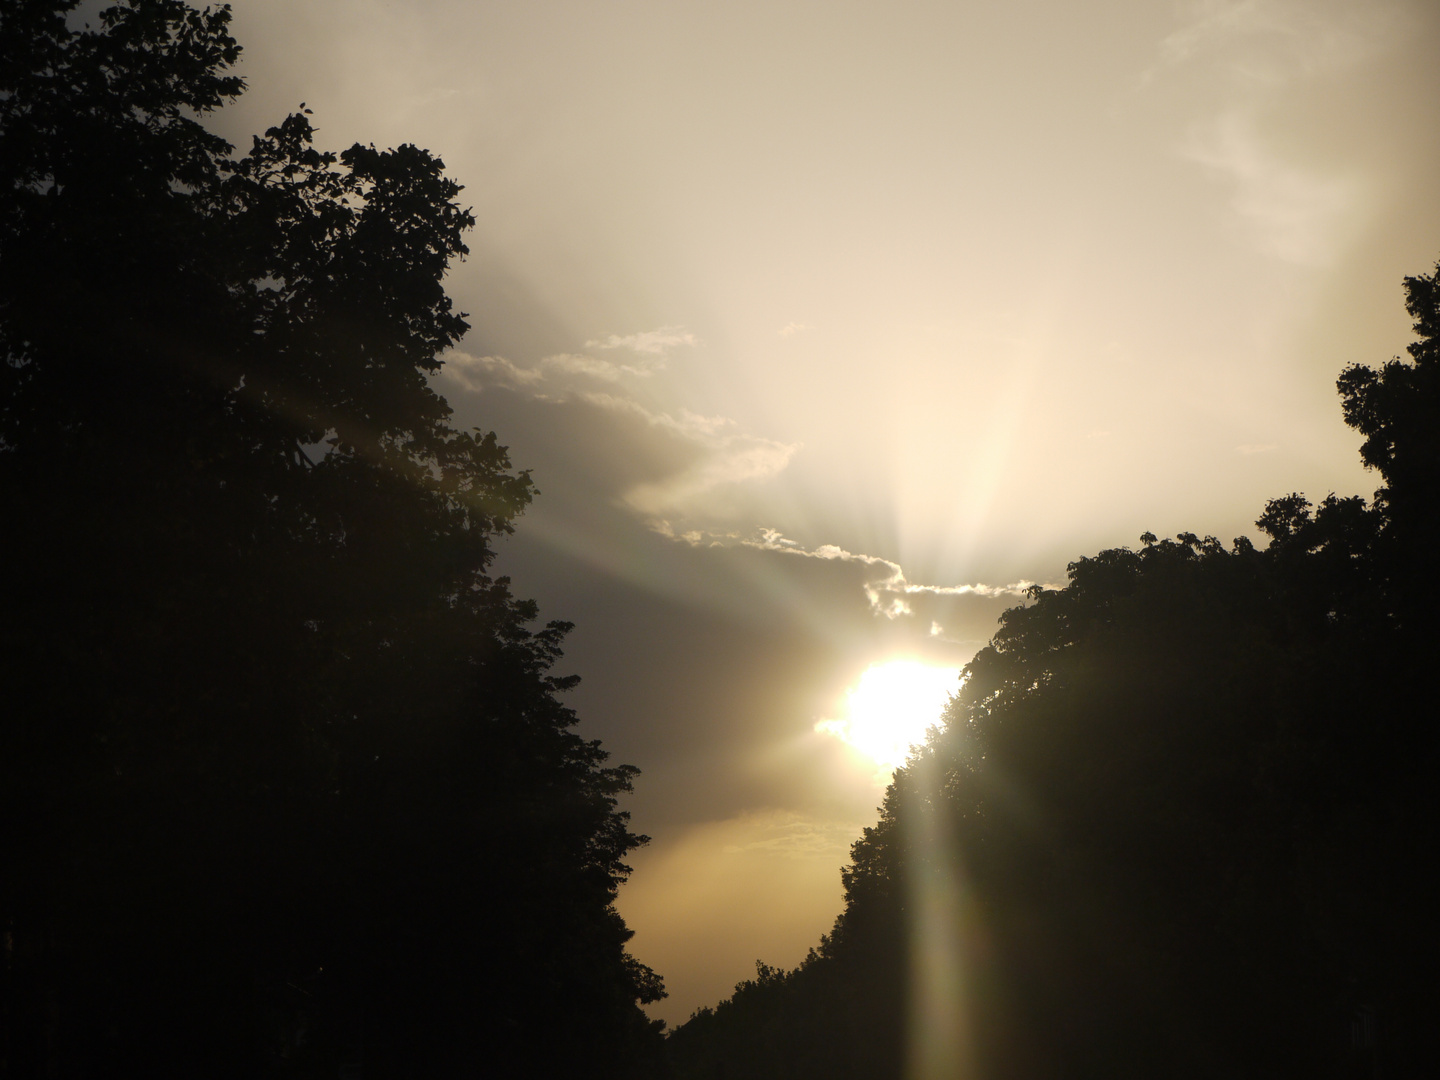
824	327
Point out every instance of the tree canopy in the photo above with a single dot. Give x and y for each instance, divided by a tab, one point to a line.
286	780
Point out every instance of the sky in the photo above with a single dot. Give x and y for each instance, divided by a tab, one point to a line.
825	329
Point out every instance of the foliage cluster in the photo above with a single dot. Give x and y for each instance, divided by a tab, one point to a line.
1189	805
285	780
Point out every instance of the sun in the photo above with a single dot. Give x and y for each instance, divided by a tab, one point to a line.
891	707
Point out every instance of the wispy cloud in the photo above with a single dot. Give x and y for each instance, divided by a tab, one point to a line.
688	425
1272	41
1249	62
1297	214
888	590
596	368
546	377
652	342
792	836
727	457
793	328
732	458
476	373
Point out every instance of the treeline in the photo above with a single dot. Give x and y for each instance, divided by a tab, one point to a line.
1181	819
286	784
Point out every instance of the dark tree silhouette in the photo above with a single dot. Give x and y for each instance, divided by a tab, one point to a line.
285	783
1187	804
1397	409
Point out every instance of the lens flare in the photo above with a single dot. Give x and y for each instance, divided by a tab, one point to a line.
944	920
892	706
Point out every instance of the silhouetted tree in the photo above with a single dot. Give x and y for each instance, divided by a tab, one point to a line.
1397	409
284	779
1185	807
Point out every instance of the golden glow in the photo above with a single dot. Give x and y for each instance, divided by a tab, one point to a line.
692	897
892	706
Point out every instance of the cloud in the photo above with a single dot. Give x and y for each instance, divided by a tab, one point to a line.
653	342
687	424
699	483
790	329
1295	214
729	457
732	459
888	590
793	836
475	373
1253	65
1211	20
550	375
703	476
605	370
1272	41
